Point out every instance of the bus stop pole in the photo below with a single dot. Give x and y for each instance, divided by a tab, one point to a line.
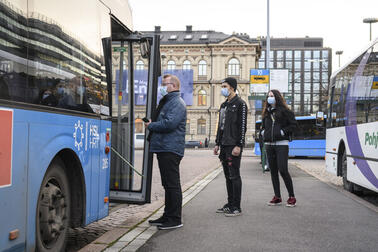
264	162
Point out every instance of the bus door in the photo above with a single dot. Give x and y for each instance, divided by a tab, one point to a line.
135	72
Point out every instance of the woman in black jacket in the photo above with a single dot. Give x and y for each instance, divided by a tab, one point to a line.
278	125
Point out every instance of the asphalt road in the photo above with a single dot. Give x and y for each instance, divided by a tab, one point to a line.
324	220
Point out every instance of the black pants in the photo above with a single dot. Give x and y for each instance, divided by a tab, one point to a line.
231	168
170	179
278	159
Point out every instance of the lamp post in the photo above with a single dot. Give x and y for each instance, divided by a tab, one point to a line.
370	21
339	53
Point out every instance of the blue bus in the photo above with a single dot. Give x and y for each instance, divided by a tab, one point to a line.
308	140
67	140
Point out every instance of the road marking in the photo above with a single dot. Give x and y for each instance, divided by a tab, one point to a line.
138	236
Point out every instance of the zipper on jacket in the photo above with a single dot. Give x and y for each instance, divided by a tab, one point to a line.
272	131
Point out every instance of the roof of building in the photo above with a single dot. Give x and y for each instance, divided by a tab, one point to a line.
189	36
305	42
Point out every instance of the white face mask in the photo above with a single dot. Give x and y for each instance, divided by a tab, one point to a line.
45	95
163	90
271	100
225	92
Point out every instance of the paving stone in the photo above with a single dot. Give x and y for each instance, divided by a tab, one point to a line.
111	235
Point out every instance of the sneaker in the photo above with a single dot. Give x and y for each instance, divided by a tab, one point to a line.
157	222
275	201
222	209
170	225
291	202
232	212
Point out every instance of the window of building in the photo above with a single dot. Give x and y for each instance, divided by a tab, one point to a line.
289	64
325	54
325	77
139	65
271	55
202	98
316	54
271	65
171	65
173	37
297	65
315	76
186	65
297	87
307	55
187	126
297	55
325	65
307	76
202	68
315	65
188	37
262	55
307	87
201	126
234	67
280	64
297	77
280	55
315	87
204	36
289	54
261	64
307	65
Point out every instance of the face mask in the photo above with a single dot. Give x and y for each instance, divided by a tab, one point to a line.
80	90
225	92
60	90
44	96
163	90
271	100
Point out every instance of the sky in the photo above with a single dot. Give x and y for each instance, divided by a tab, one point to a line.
338	22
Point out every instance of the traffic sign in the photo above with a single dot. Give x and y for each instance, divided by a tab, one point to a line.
259	80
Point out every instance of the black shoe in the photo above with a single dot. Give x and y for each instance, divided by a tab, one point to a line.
233	212
222	209
158	222
170	225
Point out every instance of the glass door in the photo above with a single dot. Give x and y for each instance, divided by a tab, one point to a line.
135	71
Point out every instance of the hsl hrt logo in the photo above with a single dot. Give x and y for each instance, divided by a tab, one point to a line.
371	140
78	135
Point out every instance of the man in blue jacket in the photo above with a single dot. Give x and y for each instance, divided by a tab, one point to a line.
167	140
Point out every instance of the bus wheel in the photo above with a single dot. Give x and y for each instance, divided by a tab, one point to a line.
344	164
53	209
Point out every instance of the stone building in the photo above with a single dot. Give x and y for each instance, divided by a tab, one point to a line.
212	56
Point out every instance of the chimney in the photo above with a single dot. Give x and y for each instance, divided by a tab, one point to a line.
188	28
157	29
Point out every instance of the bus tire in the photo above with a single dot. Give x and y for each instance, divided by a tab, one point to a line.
344	168
53	209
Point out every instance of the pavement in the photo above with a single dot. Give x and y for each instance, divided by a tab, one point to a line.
97	236
324	219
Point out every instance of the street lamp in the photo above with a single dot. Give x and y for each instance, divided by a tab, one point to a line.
339	53
370	21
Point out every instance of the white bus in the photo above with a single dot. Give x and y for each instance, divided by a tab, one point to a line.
352	125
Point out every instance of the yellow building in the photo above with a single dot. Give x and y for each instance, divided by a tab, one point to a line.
212	56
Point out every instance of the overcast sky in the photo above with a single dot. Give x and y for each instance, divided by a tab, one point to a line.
338	22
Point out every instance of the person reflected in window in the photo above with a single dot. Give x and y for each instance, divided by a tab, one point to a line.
64	92
278	125
48	98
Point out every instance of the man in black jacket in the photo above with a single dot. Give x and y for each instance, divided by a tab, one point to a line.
230	139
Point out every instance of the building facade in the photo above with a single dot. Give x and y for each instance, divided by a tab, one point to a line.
310	68
212	56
